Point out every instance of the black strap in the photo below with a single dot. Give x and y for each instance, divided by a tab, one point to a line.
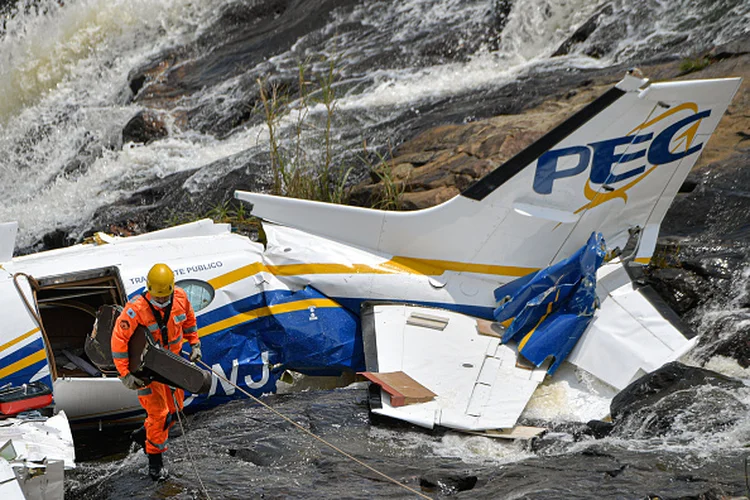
161	320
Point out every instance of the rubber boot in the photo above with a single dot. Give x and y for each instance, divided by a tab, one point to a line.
138	436
156	469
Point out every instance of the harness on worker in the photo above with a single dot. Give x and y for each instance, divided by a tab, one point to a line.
161	321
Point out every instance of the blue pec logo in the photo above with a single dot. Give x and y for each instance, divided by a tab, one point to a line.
602	156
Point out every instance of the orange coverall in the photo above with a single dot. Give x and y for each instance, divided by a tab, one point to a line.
156	398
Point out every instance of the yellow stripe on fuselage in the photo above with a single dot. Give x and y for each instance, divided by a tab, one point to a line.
18	339
23	363
437	267
397	265
264	311
237	275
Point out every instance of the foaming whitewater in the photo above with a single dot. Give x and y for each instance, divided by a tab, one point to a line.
725	320
49	46
536	28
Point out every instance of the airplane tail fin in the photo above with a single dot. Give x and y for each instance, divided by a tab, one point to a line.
613	167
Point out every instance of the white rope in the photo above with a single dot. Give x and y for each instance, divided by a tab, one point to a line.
187	445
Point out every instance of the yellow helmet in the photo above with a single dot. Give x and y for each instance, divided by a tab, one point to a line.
160	281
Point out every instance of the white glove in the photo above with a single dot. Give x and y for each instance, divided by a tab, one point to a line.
195	353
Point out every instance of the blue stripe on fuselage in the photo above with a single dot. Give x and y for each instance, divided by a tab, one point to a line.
484	312
27	350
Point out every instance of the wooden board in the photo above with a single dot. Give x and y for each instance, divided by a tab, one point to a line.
490	328
402	388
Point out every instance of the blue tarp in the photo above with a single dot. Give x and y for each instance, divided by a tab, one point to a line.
551	308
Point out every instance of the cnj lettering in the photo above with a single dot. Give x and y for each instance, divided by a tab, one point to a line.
228	386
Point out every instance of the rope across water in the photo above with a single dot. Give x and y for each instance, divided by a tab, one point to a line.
313	435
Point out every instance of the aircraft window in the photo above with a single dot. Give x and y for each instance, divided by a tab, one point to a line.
199	293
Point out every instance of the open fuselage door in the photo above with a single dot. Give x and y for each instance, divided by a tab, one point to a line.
67	305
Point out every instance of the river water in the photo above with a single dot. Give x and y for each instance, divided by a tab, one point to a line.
65	95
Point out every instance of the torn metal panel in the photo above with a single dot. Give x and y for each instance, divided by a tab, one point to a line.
628	336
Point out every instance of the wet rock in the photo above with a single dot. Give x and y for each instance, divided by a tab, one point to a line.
446	483
676	398
681	289
440	162
90	150
260	454
718	206
670	378
737	47
182	197
700	411
500	12
243	38
145	127
599	428
59	238
584	32
602	471
728	336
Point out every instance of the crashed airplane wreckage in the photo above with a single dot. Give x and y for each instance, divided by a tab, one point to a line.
454	309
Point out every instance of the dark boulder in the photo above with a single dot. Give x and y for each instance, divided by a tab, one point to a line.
145	127
728	336
447	483
676	398
599	428
670	378
681	289
584	32
264	454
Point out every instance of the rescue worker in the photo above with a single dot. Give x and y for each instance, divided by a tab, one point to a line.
165	310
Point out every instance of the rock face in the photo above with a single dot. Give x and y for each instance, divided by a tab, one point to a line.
442	161
584	32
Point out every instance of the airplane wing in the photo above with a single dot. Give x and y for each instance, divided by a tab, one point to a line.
474	377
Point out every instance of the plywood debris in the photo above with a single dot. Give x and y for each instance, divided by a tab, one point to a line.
490	328
401	387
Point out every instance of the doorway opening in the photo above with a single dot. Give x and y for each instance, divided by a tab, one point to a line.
67	306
